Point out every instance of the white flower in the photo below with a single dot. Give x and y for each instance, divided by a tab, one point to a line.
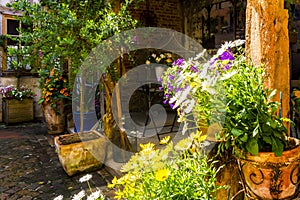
85	178
95	195
60	197
79	196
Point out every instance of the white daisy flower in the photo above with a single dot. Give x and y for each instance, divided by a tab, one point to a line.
60	197
85	178
94	195
79	196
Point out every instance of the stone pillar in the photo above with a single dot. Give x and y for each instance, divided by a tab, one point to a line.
267	42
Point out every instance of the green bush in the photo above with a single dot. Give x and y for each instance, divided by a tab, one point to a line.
180	171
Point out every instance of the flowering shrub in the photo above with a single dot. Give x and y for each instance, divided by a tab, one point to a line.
12	92
190	85
176	172
227	92
54	86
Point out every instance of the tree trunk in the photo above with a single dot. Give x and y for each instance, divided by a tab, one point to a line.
114	133
267	42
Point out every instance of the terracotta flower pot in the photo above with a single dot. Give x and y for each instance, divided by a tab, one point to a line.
55	119
81	152
267	176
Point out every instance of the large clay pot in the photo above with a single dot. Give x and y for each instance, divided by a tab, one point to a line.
81	152
55	118
267	176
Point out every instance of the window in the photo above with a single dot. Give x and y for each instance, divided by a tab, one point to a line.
12	26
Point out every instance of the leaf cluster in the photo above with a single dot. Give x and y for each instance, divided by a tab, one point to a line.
251	123
67	30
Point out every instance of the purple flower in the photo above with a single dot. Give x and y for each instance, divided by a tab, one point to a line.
171	77
227	67
178	89
160	80
134	39
178	62
40	53
226	55
194	69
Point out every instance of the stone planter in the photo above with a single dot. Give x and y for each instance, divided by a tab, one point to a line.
55	119
15	111
81	152
269	177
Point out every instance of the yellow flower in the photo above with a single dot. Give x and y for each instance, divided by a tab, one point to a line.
113	182
147	62
147	146
162	174
165	140
147	149
168	60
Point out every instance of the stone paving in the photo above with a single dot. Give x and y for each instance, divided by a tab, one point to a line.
30	169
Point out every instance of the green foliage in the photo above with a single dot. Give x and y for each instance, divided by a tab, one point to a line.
175	172
67	30
54	86
226	93
251	124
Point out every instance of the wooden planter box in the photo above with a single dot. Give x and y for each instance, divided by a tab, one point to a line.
14	111
81	152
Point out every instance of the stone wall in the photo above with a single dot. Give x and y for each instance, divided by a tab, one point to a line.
30	82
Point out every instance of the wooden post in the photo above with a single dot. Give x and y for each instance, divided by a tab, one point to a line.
267	42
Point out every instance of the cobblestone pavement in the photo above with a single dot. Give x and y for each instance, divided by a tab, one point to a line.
30	169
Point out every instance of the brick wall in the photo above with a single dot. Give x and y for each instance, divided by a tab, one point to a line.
168	13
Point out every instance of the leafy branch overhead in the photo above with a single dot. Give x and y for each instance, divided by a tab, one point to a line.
67	30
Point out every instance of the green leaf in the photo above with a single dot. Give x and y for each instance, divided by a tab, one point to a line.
244	138
272	94
40	101
236	132
252	146
277	146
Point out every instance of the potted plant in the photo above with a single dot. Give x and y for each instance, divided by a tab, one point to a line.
55	91
17	104
227	94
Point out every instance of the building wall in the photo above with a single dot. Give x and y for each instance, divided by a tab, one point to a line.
168	13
